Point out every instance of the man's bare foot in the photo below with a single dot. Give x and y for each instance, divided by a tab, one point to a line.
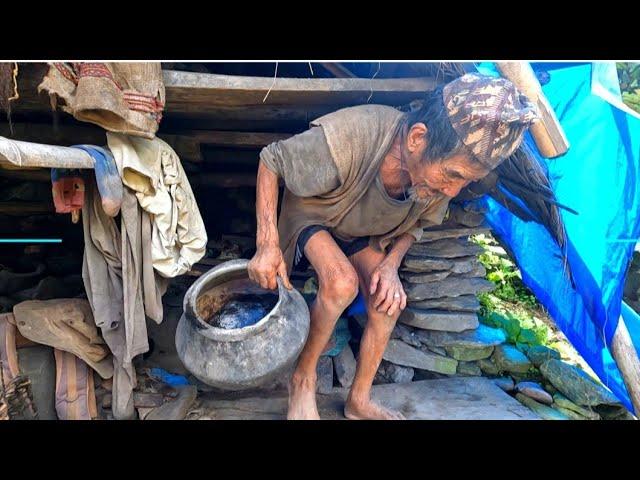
370	411
302	399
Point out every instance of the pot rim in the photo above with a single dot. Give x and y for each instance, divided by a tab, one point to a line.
223	334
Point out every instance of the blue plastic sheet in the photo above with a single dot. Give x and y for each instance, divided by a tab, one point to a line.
598	177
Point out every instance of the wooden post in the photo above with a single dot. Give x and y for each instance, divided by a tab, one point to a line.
547	133
626	357
14	153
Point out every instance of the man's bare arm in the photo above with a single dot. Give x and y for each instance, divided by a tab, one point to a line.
268	262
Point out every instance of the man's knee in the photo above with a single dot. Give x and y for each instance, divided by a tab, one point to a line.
340	284
380	320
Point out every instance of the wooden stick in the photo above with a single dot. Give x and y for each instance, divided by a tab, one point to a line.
26	154
547	133
626	357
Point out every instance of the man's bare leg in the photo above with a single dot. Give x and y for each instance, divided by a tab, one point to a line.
337	287
372	345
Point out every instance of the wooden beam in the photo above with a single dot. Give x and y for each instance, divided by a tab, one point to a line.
626	357
14	153
225	180
547	133
34	174
234	139
26	208
188	91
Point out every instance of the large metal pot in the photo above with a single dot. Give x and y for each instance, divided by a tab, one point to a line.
242	358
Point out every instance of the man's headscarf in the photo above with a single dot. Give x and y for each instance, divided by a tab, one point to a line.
489	115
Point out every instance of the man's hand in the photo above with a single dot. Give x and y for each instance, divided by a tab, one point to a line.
265	265
386	289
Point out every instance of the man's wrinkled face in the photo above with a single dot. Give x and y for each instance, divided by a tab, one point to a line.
448	176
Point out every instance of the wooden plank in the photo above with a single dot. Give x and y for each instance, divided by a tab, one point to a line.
26	208
234	139
184	90
225	180
35	174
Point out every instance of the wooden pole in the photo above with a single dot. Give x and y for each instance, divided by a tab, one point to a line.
547	133
14	153
626	357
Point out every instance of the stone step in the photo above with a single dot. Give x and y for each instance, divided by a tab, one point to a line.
432	235
462	303
447	248
400	353
438	319
449	287
419	264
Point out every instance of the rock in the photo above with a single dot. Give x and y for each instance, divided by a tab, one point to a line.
449	287
546	412
535	391
400	353
483	336
570	413
418	264
469	369
345	366
447	248
405	334
51	287
469	345
538	354
177	408
576	385
505	383
438	320
325	375
463	303
437	350
488	367
468	354
11	282
614	412
430	236
563	402
530	376
162	342
509	359
550	388
311	286
477	270
426	277
399	374
39	365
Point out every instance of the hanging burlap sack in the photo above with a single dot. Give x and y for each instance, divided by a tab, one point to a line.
121	97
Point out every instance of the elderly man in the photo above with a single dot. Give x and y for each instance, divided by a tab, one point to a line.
361	185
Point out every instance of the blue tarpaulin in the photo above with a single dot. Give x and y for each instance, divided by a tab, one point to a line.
597	177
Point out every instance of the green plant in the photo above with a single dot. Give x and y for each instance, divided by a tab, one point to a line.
510	306
629	76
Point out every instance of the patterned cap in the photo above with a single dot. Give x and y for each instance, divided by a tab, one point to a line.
489	115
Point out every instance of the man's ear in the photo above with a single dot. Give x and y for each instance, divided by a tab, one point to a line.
417	138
